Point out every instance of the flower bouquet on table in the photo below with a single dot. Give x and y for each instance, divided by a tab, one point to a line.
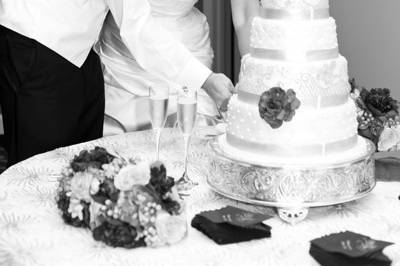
378	116
124	203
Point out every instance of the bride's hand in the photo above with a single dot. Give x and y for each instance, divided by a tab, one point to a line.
220	88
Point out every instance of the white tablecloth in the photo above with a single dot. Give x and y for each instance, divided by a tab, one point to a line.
32	232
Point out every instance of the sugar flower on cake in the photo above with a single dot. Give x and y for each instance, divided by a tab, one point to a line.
277	106
124	203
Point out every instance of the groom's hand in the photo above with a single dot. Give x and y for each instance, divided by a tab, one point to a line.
220	88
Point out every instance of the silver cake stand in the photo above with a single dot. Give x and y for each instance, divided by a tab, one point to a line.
292	189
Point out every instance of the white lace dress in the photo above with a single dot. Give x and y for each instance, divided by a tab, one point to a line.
126	83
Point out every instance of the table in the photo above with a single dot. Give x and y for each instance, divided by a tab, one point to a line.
32	232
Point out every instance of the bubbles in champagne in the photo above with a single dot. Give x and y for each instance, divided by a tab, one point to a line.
187	110
158	111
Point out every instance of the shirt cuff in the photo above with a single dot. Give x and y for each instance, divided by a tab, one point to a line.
194	74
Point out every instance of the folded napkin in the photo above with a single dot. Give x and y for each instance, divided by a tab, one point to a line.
387	166
348	248
232	225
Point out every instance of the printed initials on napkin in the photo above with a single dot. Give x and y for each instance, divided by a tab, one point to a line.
235	216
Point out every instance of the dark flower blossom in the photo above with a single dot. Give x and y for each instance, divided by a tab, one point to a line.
159	180
372	131
162	184
116	233
380	103
353	85
107	190
277	106
63	202
94	158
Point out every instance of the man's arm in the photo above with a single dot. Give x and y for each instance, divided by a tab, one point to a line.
243	12
157	51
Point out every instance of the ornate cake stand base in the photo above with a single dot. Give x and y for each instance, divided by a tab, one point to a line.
292	189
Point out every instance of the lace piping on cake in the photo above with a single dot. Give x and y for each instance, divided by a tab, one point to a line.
325	78
277	34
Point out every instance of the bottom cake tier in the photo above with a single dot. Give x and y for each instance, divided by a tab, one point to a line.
292	185
356	149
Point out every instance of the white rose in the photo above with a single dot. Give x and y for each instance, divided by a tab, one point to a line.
170	229
75	208
80	186
389	138
95	186
132	175
94	210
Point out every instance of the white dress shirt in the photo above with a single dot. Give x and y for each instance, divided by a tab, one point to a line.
71	28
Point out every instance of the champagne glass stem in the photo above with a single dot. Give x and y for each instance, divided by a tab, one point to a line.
186	139
158	136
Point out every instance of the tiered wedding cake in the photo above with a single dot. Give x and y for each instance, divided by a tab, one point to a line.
291	138
294	46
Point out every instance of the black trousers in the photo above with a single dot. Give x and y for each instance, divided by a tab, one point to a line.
47	102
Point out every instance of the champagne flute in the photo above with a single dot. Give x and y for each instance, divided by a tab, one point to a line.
187	112
158	112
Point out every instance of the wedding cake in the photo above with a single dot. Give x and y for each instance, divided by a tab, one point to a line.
292	140
293	104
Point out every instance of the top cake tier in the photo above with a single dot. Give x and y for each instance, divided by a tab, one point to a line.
295	5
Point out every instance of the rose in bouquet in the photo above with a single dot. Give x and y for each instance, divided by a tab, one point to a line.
377	115
277	106
124	203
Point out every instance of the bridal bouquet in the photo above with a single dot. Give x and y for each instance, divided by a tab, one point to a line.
124	203
378	116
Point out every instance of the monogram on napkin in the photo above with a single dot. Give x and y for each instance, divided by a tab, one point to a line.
235	216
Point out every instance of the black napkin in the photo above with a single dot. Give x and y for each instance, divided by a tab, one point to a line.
387	167
348	248
232	225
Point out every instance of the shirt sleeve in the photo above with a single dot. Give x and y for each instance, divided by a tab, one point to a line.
154	48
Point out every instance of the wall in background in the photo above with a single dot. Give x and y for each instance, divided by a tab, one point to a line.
369	37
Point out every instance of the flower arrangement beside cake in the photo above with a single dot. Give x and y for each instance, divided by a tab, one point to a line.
378	116
125	203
